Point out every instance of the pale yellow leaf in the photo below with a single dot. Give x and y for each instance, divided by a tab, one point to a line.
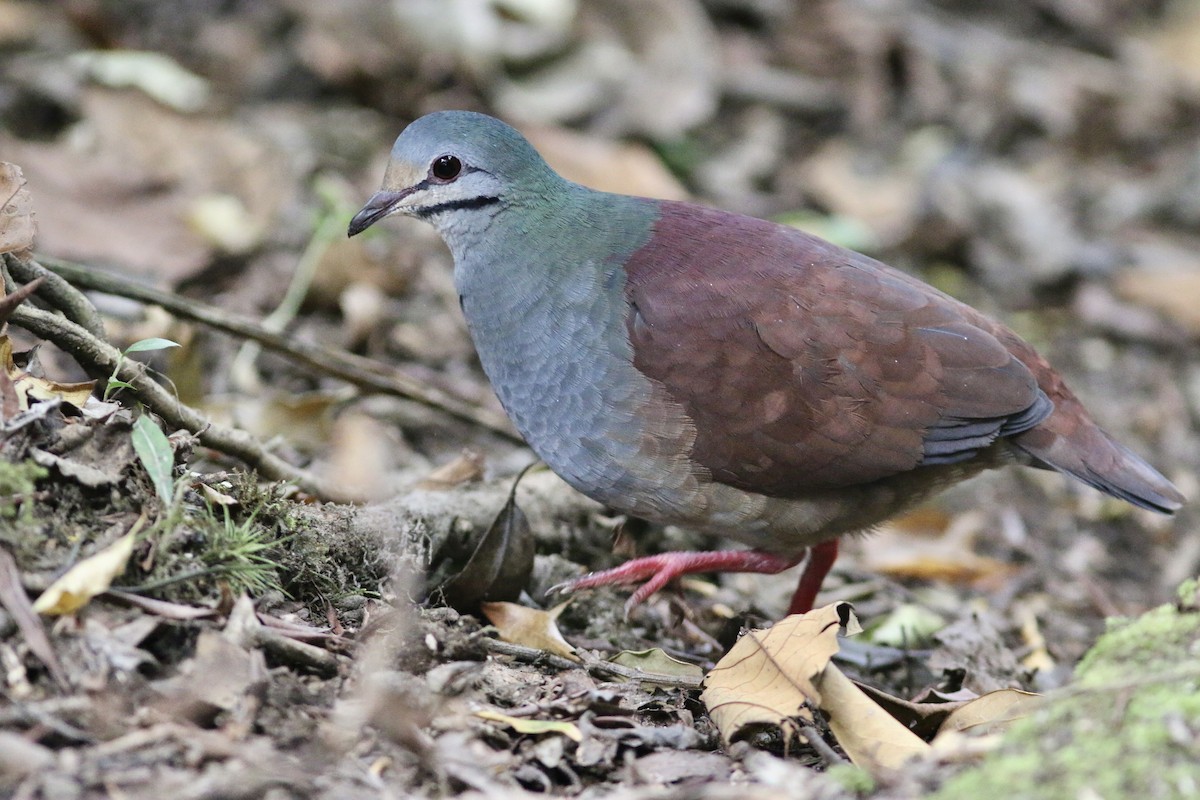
467	468
992	712
534	726
217	498
766	678
156	74
530	627
907	625
76	394
86	579
27	386
224	222
871	737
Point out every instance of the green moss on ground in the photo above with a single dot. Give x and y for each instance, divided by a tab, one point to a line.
1129	725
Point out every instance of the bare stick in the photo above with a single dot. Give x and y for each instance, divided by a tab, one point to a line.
100	359
61	294
361	372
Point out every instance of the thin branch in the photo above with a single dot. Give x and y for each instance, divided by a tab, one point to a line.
59	293
362	372
817	742
100	359
604	670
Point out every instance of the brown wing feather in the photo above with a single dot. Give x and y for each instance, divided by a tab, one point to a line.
828	369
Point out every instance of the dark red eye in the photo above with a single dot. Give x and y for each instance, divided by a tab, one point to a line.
445	168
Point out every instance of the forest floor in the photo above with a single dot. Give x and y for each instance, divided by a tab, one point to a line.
284	617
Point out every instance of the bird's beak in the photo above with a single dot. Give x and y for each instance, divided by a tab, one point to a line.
381	204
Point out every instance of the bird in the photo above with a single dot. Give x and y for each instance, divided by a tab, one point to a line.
735	376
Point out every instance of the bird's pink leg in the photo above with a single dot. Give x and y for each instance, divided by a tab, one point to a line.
658	570
820	561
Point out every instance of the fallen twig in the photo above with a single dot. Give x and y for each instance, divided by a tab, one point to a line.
101	359
13	598
596	666
56	290
364	373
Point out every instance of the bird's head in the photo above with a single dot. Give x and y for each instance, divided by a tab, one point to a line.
454	162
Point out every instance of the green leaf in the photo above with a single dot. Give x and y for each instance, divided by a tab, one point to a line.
153	343
533	726
152	447
656	662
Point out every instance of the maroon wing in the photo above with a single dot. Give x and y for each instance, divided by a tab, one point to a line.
805	366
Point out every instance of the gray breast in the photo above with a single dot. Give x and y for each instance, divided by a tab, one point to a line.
555	349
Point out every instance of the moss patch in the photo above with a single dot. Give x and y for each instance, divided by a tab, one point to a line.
1128	727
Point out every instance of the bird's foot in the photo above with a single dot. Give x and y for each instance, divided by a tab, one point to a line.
658	570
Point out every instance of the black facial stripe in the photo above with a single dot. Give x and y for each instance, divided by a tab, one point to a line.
455	205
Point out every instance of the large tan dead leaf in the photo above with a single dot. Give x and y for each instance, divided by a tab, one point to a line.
17	227
854	182
873	738
1173	292
530	627
766	679
992	711
305	419
86	579
126	197
975	727
930	545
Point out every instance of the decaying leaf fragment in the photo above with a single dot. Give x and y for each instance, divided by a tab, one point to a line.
500	566
28	387
530	627
533	726
766	679
17	227
945	720
88	578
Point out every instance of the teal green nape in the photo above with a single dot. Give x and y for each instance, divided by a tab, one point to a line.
711	370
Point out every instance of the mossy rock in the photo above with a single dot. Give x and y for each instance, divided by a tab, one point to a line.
1128	726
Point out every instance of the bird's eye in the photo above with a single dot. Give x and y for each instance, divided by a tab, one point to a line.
445	168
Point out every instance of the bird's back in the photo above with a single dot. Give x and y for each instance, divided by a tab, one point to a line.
807	366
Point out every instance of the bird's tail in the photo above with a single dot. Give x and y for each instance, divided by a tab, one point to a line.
1069	441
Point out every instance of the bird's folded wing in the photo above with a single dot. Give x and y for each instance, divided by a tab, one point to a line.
825	370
